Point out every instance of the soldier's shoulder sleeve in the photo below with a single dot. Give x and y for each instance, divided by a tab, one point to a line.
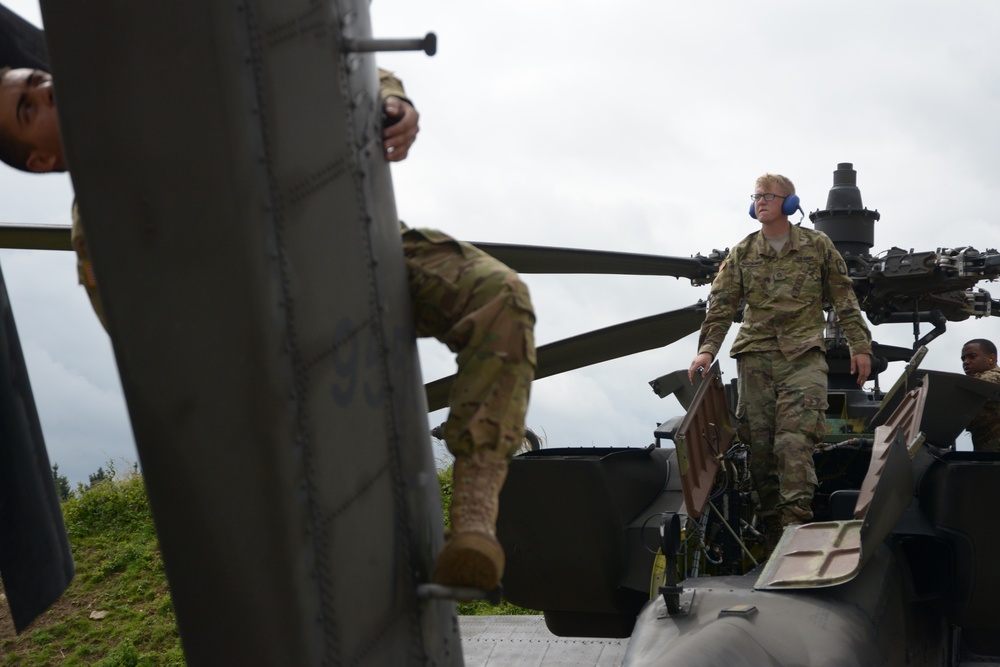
990	375
724	301
729	275
817	235
834	267
746	242
432	235
391	86
817	240
85	267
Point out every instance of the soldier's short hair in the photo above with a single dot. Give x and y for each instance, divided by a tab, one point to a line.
776	182
13	152
987	345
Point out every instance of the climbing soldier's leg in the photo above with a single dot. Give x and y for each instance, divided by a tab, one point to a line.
479	308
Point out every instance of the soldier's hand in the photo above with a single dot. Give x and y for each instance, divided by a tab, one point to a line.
702	361
402	125
862	365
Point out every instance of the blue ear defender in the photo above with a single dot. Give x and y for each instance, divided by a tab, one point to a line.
789	205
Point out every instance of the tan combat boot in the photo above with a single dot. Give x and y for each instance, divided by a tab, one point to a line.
472	556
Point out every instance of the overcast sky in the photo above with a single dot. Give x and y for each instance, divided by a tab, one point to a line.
636	126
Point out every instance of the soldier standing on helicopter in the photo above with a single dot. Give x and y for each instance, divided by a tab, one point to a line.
784	274
979	360
468	300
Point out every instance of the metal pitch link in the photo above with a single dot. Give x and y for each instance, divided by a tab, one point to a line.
968	262
971	263
427	44
979	302
982	264
948	261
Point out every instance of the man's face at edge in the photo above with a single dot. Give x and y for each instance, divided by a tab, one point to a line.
28	115
975	360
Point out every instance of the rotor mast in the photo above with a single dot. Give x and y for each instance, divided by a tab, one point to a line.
845	220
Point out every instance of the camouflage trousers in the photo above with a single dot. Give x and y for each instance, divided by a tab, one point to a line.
781	413
481	310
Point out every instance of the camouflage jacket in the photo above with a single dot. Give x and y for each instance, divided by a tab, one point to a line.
390	86
784	294
985	428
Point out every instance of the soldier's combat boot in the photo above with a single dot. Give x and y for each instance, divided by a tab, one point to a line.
472	556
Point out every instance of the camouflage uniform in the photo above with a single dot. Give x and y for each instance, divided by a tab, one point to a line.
985	428
390	86
84	267
780	353
480	309
466	299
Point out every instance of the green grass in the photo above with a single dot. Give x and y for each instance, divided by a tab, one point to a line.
119	571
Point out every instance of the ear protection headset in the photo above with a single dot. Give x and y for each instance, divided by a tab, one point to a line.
789	205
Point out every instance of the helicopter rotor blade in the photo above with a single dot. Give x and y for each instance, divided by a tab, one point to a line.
594	347
36	561
35	237
546	259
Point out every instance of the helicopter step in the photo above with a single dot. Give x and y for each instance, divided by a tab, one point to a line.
458	593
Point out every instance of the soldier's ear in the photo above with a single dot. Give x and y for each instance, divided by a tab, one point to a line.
42	162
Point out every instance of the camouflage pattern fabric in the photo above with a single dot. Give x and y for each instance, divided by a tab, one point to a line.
780	353
84	267
390	86
985	428
481	310
781	410
784	293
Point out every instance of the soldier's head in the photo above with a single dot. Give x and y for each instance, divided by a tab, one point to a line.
768	211
29	122
776	183
978	355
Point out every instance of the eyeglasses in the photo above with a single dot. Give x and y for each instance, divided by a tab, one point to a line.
767	197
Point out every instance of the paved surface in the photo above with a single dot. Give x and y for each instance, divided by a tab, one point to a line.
500	641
